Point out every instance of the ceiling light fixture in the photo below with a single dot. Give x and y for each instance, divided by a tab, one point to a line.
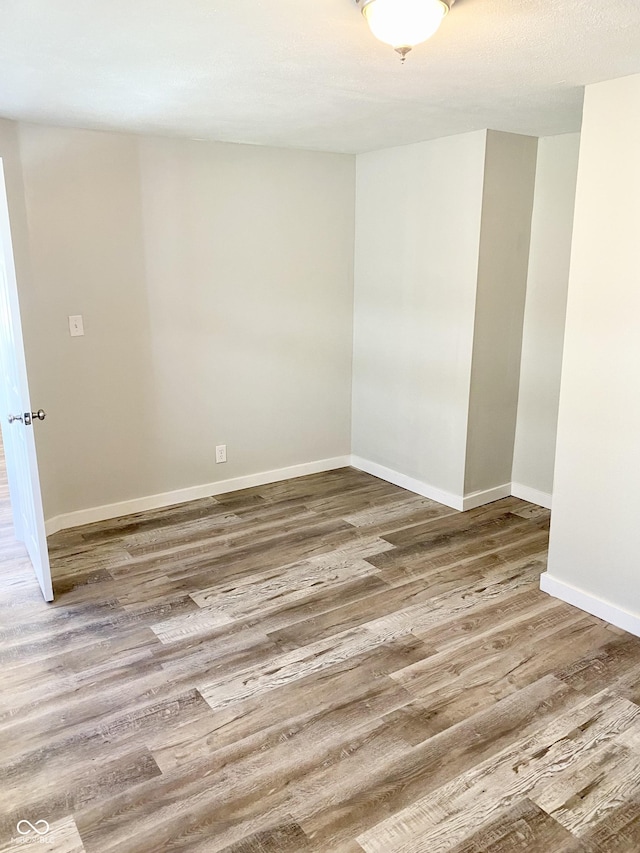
404	23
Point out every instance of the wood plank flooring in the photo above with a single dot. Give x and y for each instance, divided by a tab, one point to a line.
325	665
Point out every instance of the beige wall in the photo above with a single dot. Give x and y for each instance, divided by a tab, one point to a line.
215	283
545	312
83	206
595	534
510	168
418	212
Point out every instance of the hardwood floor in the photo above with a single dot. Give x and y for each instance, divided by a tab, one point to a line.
326	665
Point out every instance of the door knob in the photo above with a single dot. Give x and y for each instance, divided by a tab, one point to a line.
29	417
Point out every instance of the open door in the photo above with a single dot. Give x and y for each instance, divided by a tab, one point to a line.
15	413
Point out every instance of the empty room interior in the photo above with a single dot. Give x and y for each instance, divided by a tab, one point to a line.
320	408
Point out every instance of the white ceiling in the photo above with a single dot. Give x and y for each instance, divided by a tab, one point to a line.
307	74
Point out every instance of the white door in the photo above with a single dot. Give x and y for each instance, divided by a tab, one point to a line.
15	413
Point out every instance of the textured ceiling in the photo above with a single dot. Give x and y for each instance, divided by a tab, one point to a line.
307	74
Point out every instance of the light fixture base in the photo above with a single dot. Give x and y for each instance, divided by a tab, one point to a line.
362	3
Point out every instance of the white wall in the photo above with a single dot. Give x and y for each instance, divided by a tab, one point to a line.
595	530
510	168
418	213
216	287
545	311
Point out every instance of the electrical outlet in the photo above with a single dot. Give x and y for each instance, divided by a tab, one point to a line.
221	453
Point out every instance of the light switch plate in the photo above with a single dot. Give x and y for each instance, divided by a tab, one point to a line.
76	326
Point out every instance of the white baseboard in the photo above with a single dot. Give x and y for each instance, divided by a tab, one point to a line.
409	483
193	493
487	496
592	604
418	487
526	493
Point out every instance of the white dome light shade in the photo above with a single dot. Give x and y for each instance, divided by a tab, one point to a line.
404	23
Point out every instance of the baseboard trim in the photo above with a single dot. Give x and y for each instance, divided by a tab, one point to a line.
486	496
409	483
592	604
193	493
526	493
